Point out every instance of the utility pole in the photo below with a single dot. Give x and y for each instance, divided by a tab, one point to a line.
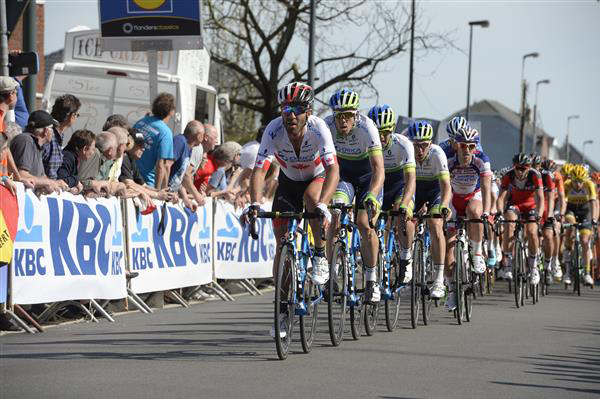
3	40
412	56
29	44
524	101
311	45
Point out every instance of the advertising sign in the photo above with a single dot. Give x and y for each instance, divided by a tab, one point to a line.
168	24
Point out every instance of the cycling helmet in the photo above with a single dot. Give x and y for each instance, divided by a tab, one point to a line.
521	159
296	93
383	116
579	173
566	170
596	177
535	158
467	135
344	100
420	131
456	123
549	165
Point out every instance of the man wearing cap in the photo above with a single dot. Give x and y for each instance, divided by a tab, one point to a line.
26	149
65	111
8	97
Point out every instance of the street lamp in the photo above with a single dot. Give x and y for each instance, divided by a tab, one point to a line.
523	100
483	24
537	86
584	144
568	146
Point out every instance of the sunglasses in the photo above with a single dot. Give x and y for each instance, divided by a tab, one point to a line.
468	146
521	168
422	145
577	181
294	109
345	115
385	132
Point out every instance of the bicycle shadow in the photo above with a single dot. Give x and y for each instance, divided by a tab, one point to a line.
578	371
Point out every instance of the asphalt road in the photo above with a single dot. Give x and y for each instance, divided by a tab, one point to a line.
223	350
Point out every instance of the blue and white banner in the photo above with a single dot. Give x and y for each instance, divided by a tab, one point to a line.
67	248
170	250
237	255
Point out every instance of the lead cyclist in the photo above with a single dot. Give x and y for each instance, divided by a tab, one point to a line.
302	144
362	173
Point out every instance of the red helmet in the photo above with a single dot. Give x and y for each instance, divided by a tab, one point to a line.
596	177
296	93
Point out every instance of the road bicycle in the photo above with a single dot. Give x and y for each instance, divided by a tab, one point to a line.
346	286
295	292
577	267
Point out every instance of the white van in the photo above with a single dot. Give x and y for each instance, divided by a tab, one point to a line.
116	82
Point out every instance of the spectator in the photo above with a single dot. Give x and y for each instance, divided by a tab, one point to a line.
65	111
81	146
26	149
209	141
155	163
21	111
122	136
115	120
130	174
180	179
8	97
94	173
223	158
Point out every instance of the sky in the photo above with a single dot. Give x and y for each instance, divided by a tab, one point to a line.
565	33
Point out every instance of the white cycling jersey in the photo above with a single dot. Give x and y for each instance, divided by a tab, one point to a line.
398	156
433	168
316	151
355	148
467	179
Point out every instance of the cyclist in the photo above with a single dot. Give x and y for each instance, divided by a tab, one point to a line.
362	174
449	145
596	246
301	143
521	195
547	220
494	249
470	177
400	179
433	190
582	208
560	207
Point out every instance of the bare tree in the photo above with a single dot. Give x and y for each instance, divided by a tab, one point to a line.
255	41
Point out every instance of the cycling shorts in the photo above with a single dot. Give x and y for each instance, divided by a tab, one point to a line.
347	190
393	196
523	209
459	202
289	196
431	197
579	214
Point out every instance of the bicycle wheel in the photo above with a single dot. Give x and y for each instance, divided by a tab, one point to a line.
470	288
336	301
356	316
459	312
284	302
517	270
308	321
426	275
575	266
415	283
392	304
371	311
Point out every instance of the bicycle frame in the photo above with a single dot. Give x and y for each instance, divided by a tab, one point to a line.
354	298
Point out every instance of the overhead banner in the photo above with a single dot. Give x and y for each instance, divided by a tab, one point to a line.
175	23
237	255
72	249
169	248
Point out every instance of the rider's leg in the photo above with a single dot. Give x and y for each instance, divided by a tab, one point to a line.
508	239
311	198
369	245
449	270
548	246
475	232
406	232
533	244
585	234
438	248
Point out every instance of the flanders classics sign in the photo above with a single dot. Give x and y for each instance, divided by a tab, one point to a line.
176	21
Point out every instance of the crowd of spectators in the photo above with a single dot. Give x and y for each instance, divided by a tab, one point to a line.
146	161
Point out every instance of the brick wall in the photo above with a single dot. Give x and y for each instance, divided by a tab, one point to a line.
16	43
